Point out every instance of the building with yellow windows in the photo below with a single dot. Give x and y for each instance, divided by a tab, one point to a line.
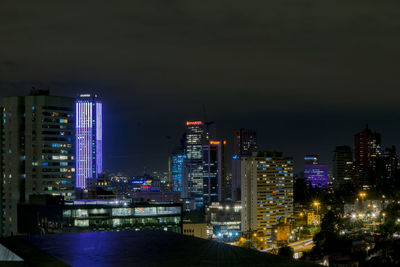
267	192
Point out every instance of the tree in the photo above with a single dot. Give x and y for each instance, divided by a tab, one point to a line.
331	222
353	224
391	225
385	252
328	239
286	251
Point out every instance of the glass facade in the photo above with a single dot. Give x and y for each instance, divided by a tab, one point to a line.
177	171
89	137
195	138
81	217
214	176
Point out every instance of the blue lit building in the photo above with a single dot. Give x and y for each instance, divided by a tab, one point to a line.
177	162
315	174
192	185
88	139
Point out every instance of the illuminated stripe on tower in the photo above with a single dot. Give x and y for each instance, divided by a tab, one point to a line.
99	138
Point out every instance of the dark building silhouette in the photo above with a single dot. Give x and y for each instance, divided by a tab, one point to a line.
214	172
367	147
244	142
342	166
387	167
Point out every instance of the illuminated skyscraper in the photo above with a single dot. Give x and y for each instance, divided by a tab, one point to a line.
177	164
267	192
88	139
195	138
214	176
37	151
315	174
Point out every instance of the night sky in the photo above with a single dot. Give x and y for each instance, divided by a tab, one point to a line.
306	74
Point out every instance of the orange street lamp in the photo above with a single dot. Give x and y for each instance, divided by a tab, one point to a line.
362	195
316	204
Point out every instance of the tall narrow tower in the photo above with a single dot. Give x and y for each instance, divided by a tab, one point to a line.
342	166
193	184
214	174
89	139
367	147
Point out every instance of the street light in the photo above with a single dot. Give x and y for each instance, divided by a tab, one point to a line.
362	195
316	204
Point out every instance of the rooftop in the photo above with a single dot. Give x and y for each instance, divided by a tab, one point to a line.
142	248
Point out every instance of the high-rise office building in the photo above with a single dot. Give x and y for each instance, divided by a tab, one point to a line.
367	147
177	168
1	174
193	169
342	166
387	166
195	138
267	192
316	174
37	150
214	172
236	178
89	139
244	142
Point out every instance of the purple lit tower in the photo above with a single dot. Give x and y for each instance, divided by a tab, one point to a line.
316	174
89	139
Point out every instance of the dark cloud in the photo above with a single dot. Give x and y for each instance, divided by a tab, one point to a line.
306	73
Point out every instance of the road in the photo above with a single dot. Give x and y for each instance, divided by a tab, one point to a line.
298	246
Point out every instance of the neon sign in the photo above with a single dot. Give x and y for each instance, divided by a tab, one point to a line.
194	122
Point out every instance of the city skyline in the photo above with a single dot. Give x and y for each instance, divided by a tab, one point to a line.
232	133
318	71
295	149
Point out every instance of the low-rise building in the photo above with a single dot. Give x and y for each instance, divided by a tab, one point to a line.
313	219
224	220
195	229
98	215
